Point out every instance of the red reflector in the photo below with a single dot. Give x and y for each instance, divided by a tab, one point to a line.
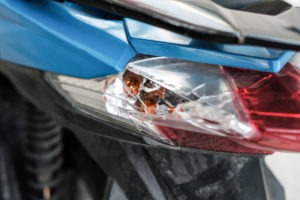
207	142
271	103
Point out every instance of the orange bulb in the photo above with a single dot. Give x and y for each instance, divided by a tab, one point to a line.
171	109
133	82
160	92
147	101
150	101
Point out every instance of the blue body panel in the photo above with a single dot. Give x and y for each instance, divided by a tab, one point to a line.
150	40
67	39
61	38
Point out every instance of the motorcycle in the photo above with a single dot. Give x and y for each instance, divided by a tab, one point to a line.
121	99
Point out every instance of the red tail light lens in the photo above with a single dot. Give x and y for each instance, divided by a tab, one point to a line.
271	104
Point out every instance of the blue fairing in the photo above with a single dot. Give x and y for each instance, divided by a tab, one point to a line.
147	39
63	38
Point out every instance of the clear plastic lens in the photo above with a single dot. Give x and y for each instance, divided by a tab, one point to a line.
159	91
177	102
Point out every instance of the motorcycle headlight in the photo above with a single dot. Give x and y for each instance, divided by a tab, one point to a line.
195	105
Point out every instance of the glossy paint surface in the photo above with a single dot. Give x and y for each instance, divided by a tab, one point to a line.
67	39
61	38
259	26
151	40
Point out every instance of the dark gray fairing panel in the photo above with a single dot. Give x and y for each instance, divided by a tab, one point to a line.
157	174
276	26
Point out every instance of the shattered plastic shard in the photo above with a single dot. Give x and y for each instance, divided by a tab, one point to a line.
196	105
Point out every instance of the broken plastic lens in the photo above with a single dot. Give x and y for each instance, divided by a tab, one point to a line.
196	105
